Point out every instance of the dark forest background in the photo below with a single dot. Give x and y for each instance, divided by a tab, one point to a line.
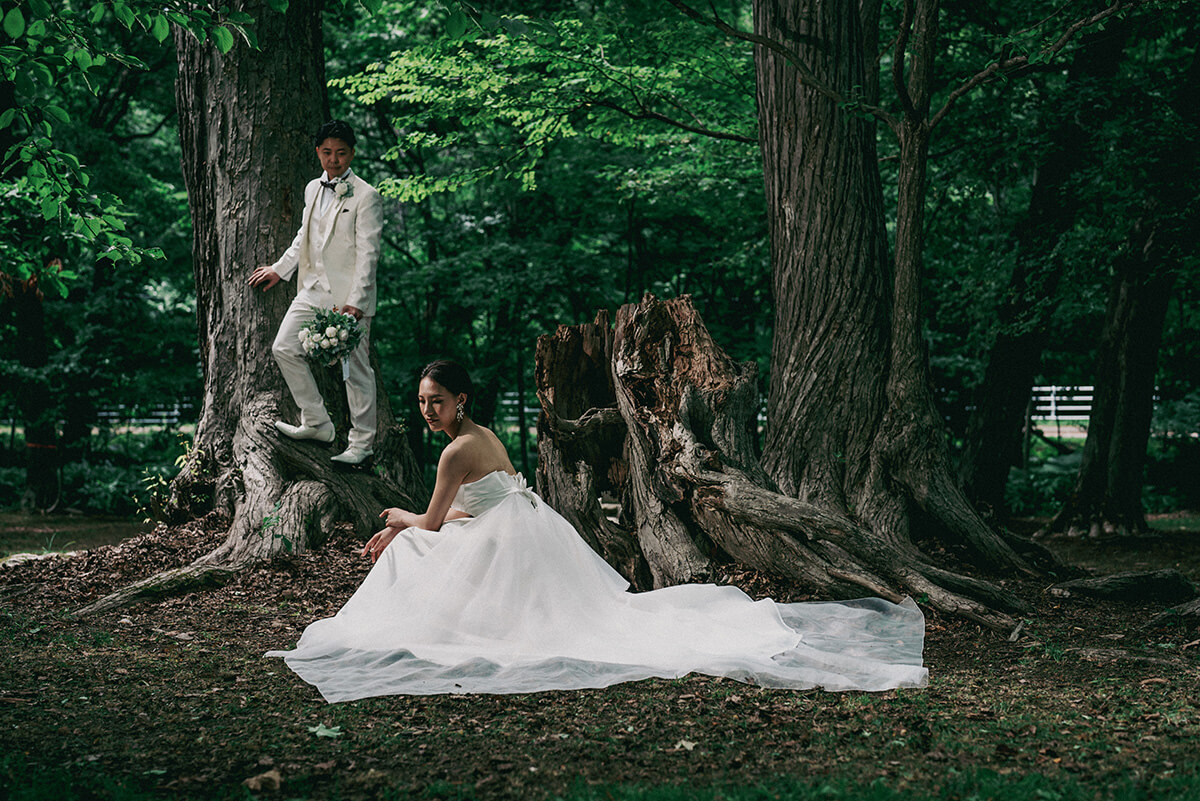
533	180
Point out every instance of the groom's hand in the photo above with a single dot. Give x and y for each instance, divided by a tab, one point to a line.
265	277
354	311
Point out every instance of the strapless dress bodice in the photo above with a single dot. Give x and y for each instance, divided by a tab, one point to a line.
477	497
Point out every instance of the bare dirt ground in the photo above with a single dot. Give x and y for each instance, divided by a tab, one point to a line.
173	699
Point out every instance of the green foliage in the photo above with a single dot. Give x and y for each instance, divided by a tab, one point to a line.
100	487
541	183
110	336
981	188
153	497
1043	486
970	783
12	484
52	53
269	524
120	479
508	89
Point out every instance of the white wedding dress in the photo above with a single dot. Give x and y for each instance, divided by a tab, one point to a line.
512	600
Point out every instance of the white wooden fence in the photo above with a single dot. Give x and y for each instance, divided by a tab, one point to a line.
1051	403
1065	404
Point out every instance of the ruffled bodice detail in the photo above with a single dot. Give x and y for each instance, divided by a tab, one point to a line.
479	496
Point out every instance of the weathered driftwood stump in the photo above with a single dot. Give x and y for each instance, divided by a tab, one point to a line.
653	413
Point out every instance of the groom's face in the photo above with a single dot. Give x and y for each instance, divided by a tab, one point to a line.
335	156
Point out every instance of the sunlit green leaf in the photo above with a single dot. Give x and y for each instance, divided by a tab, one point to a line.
57	113
124	13
160	28
223	39
14	22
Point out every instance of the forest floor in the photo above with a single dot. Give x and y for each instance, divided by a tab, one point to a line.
173	699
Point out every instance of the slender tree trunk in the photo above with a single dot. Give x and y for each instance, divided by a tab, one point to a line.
1107	494
1107	498
994	431
35	400
246	120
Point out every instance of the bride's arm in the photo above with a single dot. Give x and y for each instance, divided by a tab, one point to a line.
453	467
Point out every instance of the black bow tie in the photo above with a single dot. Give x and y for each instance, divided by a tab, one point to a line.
329	184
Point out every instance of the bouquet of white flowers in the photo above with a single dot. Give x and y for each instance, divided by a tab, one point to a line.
330	337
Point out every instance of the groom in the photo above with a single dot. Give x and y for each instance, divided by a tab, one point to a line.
335	251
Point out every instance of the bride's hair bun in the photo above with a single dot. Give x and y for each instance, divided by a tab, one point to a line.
451	375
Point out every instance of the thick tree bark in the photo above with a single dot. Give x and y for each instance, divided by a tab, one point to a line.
851	425
246	120
581	441
667	420
994	431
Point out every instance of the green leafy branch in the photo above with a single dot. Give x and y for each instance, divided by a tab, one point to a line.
46	49
496	93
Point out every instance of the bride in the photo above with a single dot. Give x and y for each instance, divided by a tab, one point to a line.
491	591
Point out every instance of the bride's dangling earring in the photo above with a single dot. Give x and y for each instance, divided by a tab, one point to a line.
459	412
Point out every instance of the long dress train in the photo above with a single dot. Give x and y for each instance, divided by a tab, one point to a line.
512	600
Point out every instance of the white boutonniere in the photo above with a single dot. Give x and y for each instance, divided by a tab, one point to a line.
344	189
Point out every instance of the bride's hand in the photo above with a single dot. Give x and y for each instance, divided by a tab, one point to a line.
375	546
398	518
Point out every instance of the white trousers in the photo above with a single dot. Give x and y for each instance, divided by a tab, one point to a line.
360	387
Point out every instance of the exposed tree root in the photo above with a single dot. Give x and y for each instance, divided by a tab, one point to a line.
1185	614
181	580
287	496
1169	586
693	490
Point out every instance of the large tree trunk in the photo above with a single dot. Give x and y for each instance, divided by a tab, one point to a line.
246	120
656	414
851	425
994	431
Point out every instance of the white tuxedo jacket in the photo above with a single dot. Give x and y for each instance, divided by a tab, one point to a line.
346	239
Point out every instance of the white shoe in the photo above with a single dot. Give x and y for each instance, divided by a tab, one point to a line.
324	433
353	456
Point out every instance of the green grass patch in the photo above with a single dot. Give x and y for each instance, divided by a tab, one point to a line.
970	785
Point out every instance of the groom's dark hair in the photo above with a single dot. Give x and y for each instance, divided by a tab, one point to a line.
335	129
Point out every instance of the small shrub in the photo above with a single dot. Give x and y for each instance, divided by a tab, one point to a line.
99	488
1044	487
12	484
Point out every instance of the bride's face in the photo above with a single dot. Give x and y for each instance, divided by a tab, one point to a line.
438	405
